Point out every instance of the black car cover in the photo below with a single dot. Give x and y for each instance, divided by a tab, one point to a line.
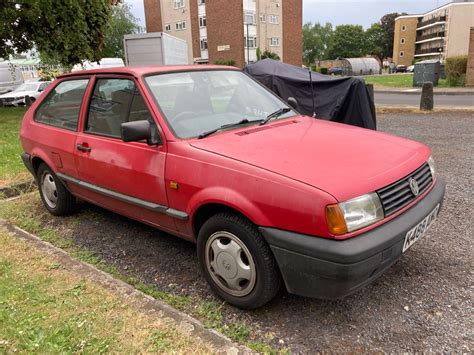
342	99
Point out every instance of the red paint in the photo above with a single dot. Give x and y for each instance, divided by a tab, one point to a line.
281	175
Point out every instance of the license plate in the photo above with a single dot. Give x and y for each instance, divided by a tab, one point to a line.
420	229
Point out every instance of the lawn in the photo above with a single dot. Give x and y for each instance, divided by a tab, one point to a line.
11	167
48	309
396	81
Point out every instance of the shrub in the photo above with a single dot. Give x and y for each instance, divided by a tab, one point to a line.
324	71
270	55
456	70
229	62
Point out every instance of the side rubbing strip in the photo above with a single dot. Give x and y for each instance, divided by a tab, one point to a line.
125	198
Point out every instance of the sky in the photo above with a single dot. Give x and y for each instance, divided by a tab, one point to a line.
338	12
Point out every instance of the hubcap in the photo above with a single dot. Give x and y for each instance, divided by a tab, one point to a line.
230	264
48	188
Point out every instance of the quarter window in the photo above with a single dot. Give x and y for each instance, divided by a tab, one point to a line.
114	102
62	105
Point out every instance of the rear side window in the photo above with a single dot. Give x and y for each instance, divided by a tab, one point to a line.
114	102
62	105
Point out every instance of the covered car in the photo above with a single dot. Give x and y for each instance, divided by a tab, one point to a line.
343	99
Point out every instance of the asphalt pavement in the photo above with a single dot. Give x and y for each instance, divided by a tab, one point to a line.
409	99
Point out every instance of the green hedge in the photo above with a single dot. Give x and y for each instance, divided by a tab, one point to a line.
456	70
229	62
324	71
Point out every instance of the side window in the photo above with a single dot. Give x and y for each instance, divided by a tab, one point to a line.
62	105
114	102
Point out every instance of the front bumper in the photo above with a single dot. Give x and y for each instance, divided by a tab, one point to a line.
327	268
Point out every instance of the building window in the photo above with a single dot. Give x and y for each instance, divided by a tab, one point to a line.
201	2
402	54
178	4
250	18
274	41
168	27
250	42
180	25
263	18
202	21
204	44
402	40
273	19
404	28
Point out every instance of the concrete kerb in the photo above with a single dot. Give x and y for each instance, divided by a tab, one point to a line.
190	325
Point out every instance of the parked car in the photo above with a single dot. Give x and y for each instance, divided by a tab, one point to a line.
207	154
336	71
401	69
411	69
33	89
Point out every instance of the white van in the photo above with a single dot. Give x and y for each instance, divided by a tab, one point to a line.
10	78
103	63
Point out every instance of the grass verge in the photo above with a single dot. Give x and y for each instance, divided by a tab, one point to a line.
28	213
11	167
45	308
397	81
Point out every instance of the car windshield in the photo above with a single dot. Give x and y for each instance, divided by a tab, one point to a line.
196	102
27	87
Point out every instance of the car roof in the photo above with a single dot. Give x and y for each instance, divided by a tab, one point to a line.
140	71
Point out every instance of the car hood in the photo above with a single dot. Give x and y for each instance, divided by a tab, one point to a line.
17	94
343	160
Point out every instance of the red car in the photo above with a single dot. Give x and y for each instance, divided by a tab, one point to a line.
208	154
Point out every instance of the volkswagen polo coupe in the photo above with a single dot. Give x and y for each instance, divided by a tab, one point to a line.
207	154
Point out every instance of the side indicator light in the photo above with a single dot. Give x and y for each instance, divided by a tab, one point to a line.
174	185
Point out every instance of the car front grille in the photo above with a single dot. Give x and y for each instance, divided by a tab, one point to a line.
8	99
399	194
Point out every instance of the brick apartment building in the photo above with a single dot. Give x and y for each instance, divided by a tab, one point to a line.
437	34
230	29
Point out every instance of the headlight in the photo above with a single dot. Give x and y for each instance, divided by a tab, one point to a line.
354	214
432	166
19	98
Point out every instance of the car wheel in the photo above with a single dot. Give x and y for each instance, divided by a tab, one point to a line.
237	262
56	198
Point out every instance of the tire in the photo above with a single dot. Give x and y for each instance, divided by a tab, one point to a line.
56	198
237	262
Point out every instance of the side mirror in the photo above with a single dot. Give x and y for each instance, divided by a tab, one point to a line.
292	102
140	130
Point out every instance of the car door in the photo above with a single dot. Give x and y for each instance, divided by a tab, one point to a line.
127	177
55	124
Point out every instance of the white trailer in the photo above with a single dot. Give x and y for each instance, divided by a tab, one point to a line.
155	48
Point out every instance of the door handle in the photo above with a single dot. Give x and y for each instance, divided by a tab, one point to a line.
83	148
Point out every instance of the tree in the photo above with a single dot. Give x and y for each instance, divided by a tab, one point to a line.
122	22
317	40
375	41
349	42
64	32
387	27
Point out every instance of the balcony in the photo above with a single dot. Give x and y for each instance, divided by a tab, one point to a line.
430	36
429	51
427	23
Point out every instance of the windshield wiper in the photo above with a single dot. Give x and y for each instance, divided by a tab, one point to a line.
275	114
229	125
